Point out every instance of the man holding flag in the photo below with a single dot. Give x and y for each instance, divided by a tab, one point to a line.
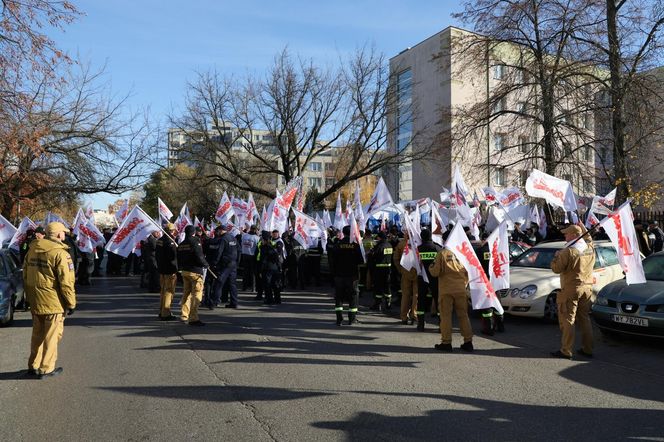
575	265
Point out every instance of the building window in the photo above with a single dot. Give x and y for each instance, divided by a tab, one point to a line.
500	105
524	144
499	72
315	182
316	166
567	149
499	142
587	186
329	182
587	152
499	176
404	113
587	121
330	167
523	177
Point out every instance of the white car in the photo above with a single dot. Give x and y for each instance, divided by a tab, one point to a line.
534	286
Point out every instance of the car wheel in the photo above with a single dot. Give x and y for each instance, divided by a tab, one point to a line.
9	318
551	308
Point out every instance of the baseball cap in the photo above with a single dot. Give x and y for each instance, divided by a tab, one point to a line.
572	230
54	228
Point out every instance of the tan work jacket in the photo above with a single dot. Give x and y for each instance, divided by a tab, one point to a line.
452	276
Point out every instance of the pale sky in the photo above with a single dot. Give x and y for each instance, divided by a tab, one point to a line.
151	48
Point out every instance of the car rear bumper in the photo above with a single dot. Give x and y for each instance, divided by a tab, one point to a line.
603	317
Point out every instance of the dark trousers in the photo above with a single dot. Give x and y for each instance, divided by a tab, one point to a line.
85	268
344	291
259	280
227	274
272	285
381	283
153	278
312	265
426	293
248	272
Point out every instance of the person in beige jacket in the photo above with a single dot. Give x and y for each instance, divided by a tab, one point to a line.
575	265
452	295
409	286
48	279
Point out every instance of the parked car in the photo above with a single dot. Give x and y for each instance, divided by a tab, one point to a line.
11	286
482	251
534	286
636	309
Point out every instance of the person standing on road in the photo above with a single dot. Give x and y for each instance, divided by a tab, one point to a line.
224	264
167	266
427	251
452	295
408	285
192	264
380	263
48	278
575	265
346	257
148	252
248	259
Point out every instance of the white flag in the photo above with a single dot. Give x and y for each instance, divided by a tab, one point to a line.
381	197
511	198
277	216
121	214
7	230
21	233
604	205
491	195
136	227
438	227
54	218
459	199
252	210
339	222
410	259
86	228
327	222
619	226
535	216
591	220
355	235
481	291
554	190
225	210
264	218
164	211
499	252
306	231
359	211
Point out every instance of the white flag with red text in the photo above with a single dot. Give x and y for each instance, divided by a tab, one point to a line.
499	252
554	190
438	227
7	230
21	233
619	226
458	198
164	211
591	220
136	227
306	230
359	211
121	214
410	259
604	205
355	235
482	292
339	222
225	210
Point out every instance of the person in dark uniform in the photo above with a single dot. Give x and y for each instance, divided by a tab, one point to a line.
427	291
150	261
224	264
380	265
210	250
271	259
346	257
166	257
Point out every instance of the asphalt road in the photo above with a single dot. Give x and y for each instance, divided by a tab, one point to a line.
288	373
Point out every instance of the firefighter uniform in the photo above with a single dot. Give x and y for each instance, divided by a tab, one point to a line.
48	278
452	294
346	257
365	283
408	286
427	291
380	265
575	266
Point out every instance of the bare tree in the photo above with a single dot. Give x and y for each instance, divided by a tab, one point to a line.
244	135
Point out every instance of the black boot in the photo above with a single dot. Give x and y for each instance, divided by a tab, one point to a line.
388	304
376	305
340	318
499	323
487	325
352	318
420	323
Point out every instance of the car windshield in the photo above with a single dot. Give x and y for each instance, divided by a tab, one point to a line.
653	267
539	258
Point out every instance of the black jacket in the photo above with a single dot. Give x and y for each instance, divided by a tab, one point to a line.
190	255
149	253
428	251
346	257
166	256
228	252
381	254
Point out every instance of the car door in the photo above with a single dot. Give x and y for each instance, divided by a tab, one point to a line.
611	270
17	274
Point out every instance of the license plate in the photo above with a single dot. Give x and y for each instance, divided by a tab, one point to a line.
631	320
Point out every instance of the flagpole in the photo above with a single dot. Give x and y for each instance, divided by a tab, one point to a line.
160	228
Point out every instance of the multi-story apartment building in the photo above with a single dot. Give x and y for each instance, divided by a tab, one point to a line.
438	92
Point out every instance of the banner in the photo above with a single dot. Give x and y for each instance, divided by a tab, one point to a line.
21	233
554	190
410	259
511	198
355	235
225	211
121	214
7	230
604	205
252	210
136	227
619	226
306	230
591	220
481	291
53	218
277	217
286	198
438	227
458	199
499	252
380	197
164	211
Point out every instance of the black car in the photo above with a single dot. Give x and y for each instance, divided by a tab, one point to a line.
11	286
